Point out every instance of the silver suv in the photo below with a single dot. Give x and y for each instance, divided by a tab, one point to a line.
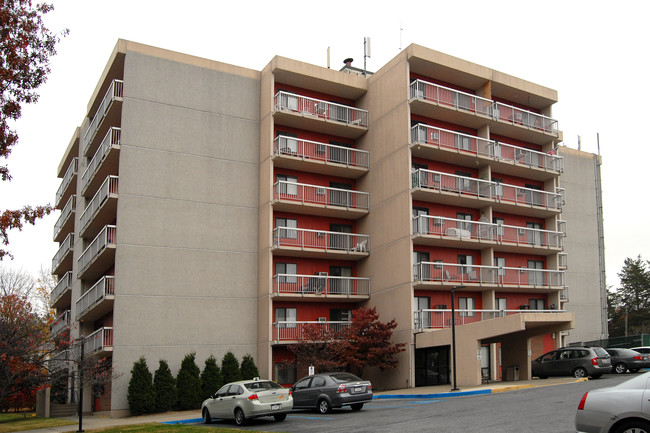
572	361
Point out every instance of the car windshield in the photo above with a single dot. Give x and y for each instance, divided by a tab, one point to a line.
344	377
600	351
261	385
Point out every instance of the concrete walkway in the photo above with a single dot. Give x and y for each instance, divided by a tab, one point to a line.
91	422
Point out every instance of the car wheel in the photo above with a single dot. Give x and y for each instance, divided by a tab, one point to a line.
579	373
620	368
280	417
635	426
240	418
324	406
356	406
206	416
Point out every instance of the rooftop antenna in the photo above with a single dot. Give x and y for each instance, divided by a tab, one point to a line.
400	35
598	141
366	52
579	142
328	57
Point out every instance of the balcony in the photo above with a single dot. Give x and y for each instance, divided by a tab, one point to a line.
98	300
438	319
321	286
68	184
476	193
59	361
101	210
295	242
61	323
564	294
109	109
65	223
99	255
62	260
438	274
561	226
319	200
285	331
453	232
316	157
103	163
454	106
99	343
61	294
323	116
462	149
563	260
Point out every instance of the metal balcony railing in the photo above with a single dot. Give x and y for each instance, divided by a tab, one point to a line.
561	226
482	147
60	323
285	101
320	285
66	212
517	116
318	239
564	294
98	341
479	188
530	236
294	331
439	272
115	90
64	249
112	138
62	285
442	95
313	150
435	319
106	237
59	361
562	260
316	194
67	178
102	289
110	186
470	103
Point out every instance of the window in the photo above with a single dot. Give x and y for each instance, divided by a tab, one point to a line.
339	315
466	304
286	315
339	154
500	263
341	241
501	304
462	142
533	195
421	272
341	286
498	187
317	382
304	383
287	142
534	235
285	372
462	100
285	185
422	303
463	224
421	225
464	181
419	178
499	222
536	304
339	195
466	261
289	270
284	224
535	278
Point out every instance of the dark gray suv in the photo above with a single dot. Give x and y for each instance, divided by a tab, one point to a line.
572	361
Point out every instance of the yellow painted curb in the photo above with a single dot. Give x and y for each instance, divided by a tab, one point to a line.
516	387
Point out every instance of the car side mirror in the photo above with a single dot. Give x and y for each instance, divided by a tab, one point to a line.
293	388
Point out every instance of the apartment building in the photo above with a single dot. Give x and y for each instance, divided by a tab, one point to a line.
207	207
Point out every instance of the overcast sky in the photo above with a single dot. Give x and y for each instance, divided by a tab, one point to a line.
594	53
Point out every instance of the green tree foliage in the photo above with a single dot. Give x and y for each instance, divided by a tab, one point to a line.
230	368
629	305
26	46
248	368
188	384
366	342
141	395
165	387
211	378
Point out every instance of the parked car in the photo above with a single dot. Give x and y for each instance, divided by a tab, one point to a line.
572	361
248	399
325	391
642	349
628	359
617	409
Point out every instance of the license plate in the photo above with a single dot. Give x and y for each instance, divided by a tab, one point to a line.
276	406
358	389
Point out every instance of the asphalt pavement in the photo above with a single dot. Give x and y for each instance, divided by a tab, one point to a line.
91	421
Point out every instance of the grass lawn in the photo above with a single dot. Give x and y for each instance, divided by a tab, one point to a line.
10	422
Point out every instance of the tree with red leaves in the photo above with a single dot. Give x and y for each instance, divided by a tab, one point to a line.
26	46
366	342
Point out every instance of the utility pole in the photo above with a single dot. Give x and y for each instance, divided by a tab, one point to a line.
81	386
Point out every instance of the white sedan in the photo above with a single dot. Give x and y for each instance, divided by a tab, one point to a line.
248	399
624	408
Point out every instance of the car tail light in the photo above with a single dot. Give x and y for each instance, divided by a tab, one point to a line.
638	357
581	406
594	361
370	387
342	388
253	397
289	392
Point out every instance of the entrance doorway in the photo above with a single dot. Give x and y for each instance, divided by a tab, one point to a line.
432	366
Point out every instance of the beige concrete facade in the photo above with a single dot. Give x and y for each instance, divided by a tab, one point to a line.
195	235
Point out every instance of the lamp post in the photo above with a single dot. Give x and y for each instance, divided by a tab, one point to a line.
453	335
81	385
